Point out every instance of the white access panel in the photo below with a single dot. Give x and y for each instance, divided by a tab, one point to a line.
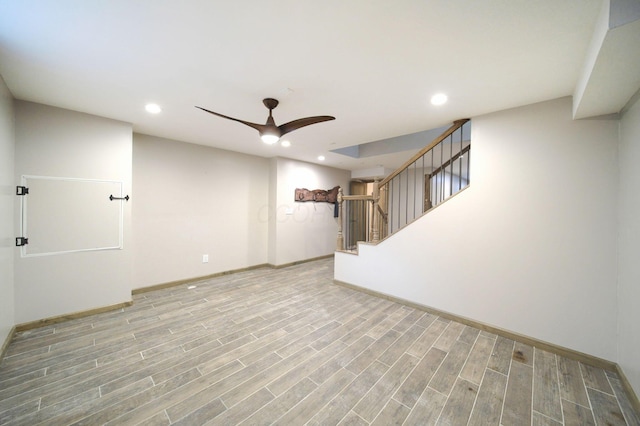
65	215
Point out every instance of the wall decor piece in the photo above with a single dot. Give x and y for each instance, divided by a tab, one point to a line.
317	195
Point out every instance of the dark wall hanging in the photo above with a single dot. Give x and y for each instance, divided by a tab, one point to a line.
319	196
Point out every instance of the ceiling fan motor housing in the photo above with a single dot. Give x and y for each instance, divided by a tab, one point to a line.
270	103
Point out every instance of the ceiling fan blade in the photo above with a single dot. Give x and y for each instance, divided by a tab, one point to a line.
258	127
302	122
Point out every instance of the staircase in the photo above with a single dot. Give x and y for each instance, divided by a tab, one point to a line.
430	177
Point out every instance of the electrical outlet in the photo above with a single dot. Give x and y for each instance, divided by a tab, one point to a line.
205	258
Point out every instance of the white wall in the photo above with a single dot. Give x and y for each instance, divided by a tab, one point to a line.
192	200
310	230
7	199
60	143
273	201
530	246
629	246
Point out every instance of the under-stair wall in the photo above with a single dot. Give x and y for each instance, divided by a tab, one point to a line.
529	247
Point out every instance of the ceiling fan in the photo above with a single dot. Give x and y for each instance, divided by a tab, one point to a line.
269	132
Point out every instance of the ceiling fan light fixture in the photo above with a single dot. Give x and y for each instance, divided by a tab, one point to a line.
269	138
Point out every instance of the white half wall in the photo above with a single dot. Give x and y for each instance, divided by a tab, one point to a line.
530	246
55	142
191	200
7	200
629	247
302	230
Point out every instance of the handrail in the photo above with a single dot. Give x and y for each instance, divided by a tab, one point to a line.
450	161
357	197
455	126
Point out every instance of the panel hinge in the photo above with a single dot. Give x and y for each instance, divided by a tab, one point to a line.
22	190
21	241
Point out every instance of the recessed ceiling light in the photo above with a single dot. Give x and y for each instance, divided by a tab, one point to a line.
153	108
285	143
320	157
439	99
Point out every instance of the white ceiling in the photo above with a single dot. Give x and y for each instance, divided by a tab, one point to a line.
373	64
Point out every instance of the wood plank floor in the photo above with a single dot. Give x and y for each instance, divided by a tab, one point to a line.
289	347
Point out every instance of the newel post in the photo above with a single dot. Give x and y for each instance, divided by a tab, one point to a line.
375	234
340	241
